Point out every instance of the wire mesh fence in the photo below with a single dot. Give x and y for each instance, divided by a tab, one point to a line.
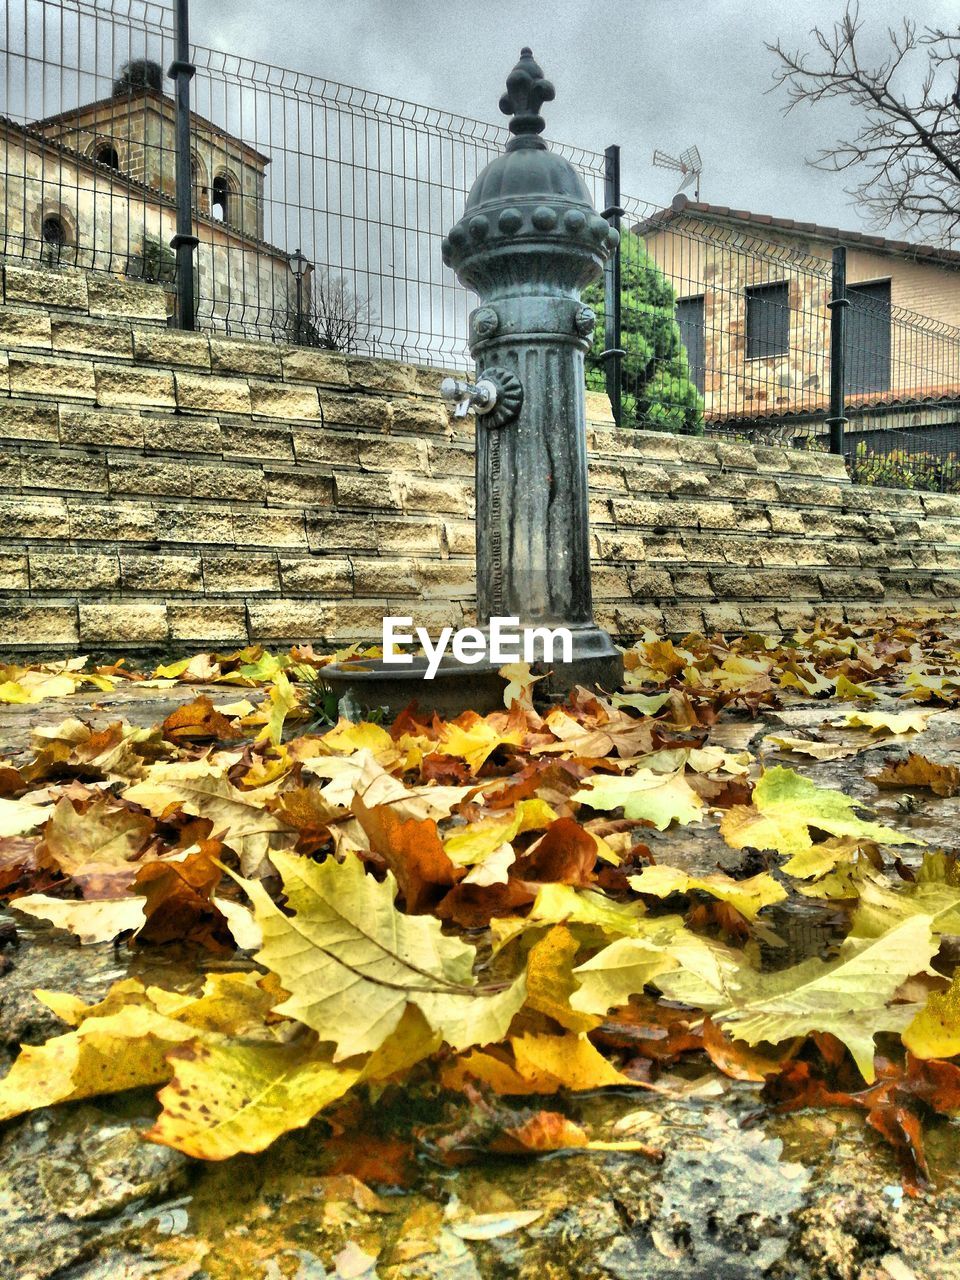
319	209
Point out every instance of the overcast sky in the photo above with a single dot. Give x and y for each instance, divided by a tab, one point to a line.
643	73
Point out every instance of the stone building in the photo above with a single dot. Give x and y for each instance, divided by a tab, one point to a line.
752	294
95	187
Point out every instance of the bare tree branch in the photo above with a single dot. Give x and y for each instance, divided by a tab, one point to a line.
338	318
906	148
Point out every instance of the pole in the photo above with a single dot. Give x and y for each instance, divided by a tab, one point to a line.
838	315
613	353
184	242
299	337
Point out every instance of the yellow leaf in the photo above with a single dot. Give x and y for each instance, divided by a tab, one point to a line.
785	806
352	962
890	721
280	701
347	737
99	920
656	798
749	897
849	691
227	1098
478	840
18	817
550	980
474	738
935	1030
541	1064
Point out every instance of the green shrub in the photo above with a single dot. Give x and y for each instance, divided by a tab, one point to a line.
906	469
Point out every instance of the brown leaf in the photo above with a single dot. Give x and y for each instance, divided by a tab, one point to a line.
178	901
544	1131
918	771
198	721
413	851
473	906
565	854
736	1059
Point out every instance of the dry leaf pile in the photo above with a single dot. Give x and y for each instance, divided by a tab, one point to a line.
476	902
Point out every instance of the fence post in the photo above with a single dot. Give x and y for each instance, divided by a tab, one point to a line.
613	353
838	315
184	242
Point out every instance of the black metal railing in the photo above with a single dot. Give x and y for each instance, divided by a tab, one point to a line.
318	210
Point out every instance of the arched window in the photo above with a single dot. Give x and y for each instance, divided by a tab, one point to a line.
107	154
54	235
220	199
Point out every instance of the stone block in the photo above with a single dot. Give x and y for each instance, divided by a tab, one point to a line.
610	582
730	549
14	574
359	620
624	545
784	520
851	586
759	617
71	471
77	335
941	504
395	455
66	571
277	400
447	496
723	617
149	388
56	287
196	526
55	379
736	456
256	441
459	538
325	368
227	482
161	572
182	434
946	588
764	585
299	621
651	446
208	623
381	375
810	493
212	394
303	488
737	517
123	622
317	575
420	417
260	359
365	412
700	483
110	295
29	420
455	460
692	584
664	548
793	617
650	584
598	408
144	475
24	328
228	573
681	620
386	578
336	448
629	621
110	522
172	347
606	476
451	580
260	528
366	492
32	625
90	427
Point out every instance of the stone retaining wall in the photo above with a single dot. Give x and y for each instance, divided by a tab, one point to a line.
168	490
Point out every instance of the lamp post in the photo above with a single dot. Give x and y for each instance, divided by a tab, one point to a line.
299	266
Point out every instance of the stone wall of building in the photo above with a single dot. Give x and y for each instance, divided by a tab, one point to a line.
161	490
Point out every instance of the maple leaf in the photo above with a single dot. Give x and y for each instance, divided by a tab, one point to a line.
473	738
476	841
101	920
785	806
227	1098
566	854
202	789
880	907
918	771
178	901
413	851
538	1064
19	816
550	980
100	839
749	897
935	1031
847	997
735	1059
656	798
890	721
197	721
352	962
122	1042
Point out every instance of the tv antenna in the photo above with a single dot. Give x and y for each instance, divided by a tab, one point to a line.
688	163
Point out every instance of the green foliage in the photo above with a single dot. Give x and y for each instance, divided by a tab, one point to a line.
658	393
904	469
156	262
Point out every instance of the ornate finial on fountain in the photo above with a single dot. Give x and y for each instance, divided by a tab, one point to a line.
527	91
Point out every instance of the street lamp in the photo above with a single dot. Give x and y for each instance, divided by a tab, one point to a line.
299	265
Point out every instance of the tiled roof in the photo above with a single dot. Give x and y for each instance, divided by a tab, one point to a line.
681	206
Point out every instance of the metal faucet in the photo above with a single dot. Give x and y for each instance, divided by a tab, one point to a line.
480	396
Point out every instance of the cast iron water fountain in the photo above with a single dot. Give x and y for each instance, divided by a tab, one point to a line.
528	242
